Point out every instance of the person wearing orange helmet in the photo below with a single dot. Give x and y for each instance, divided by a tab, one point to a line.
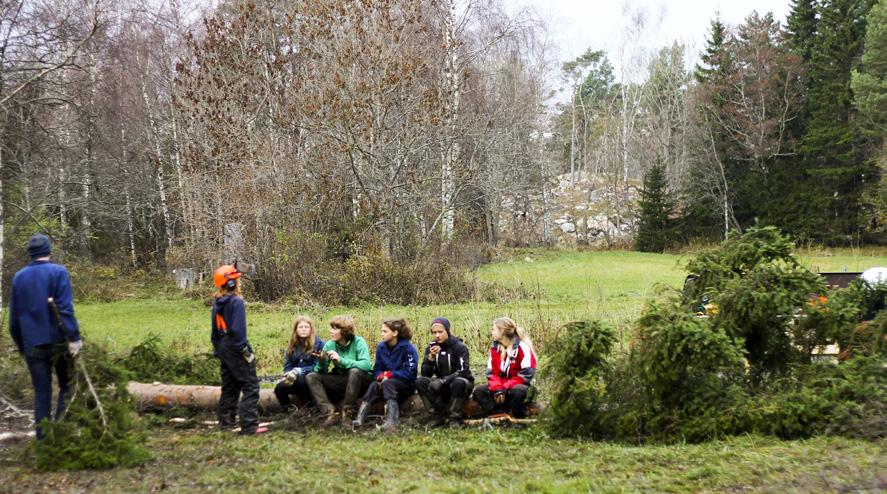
230	345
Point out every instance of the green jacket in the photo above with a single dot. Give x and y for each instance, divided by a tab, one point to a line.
354	356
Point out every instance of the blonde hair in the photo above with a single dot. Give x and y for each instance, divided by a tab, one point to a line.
303	344
509	329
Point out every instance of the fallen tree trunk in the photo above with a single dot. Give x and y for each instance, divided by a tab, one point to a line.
157	396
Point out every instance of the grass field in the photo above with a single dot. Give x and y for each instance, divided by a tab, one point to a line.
561	286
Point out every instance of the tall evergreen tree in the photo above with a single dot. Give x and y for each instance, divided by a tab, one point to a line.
654	222
801	27
698	192
832	147
712	57
869	85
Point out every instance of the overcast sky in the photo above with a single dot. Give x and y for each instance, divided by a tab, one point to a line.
576	25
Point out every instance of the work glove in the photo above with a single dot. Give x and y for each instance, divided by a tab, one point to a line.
436	385
499	396
250	357
291	376
383	376
74	347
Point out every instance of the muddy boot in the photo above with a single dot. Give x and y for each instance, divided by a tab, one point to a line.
332	418
347	416
430	406
392	413
362	413
456	409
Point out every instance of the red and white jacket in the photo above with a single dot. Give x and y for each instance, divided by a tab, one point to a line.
509	368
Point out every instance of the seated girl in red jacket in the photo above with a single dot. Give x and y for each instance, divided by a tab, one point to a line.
395	371
511	368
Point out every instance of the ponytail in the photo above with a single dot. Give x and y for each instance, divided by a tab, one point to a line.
510	329
525	338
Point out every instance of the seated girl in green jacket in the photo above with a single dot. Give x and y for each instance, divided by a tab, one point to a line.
342	372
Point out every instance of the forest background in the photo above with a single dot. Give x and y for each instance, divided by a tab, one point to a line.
330	143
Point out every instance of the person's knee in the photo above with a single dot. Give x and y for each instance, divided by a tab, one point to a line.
282	389
422	384
312	379
481	391
520	390
388	386
460	387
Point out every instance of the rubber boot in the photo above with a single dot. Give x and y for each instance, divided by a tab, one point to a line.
456	409
332	418
429	405
392	412
436	418
362	413
347	415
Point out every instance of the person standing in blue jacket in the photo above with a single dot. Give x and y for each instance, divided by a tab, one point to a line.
45	344
299	360
238	363
395	372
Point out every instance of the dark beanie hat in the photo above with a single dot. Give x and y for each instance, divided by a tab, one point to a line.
443	321
39	246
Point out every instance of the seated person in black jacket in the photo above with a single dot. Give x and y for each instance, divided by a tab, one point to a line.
445	380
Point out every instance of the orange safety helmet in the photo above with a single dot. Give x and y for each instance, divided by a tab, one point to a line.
226	275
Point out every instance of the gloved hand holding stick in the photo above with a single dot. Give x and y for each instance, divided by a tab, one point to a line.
75	351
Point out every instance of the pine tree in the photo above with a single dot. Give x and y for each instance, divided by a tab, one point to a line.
869	86
801	27
654	223
712	59
832	146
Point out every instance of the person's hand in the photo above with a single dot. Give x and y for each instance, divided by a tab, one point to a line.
250	357
334	356
383	376
74	347
436	385
433	352
499	396
293	374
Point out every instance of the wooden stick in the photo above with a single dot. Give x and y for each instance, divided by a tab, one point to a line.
94	394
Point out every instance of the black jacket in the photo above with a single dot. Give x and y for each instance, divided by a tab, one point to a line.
451	362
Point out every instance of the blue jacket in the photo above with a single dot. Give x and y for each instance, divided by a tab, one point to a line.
233	311
304	361
31	321
402	360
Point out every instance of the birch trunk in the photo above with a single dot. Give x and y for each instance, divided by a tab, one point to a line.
161	186
452	148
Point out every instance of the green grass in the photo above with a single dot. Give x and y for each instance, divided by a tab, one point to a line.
470	461
561	286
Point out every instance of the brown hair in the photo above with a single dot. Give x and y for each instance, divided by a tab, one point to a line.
509	328
305	345
400	327
344	324
223	290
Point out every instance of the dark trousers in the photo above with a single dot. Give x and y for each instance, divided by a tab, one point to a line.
42	360
515	400
237	377
390	389
442	400
299	389
348	387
